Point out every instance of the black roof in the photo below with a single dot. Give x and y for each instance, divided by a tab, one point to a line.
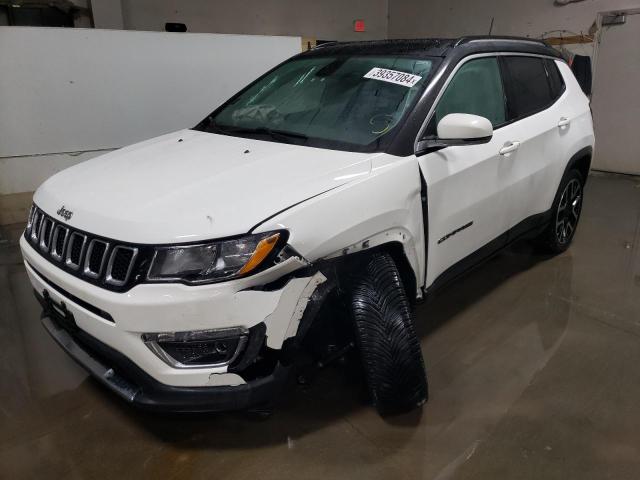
435	47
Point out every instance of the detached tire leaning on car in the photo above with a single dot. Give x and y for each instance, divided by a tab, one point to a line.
566	210
386	337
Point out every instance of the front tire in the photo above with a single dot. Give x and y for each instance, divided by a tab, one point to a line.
566	210
386	337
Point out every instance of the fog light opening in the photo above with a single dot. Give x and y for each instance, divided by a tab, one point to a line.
198	348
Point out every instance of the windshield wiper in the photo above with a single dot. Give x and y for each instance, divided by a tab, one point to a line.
280	135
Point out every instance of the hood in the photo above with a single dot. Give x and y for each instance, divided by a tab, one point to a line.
189	186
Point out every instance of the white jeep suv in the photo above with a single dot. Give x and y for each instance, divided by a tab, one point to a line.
194	271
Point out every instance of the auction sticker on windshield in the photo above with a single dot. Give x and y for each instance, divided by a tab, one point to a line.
393	76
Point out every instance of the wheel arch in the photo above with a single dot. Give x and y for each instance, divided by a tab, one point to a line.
399	249
398	253
407	274
336	270
581	161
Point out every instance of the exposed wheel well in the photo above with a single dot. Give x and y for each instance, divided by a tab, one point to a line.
332	292
342	266
581	161
404	267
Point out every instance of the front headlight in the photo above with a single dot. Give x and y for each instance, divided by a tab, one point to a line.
209	262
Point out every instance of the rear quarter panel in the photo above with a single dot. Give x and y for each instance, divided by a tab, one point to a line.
579	134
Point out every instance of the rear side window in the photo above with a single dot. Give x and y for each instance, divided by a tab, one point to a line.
528	88
555	79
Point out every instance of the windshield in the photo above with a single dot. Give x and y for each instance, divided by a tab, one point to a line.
341	102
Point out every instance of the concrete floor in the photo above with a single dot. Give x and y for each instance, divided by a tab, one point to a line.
533	362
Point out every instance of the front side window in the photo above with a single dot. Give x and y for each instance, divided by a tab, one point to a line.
476	88
343	102
528	88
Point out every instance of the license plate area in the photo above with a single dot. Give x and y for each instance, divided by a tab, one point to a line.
58	312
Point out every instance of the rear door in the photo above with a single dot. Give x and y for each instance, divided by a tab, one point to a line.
539	123
467	202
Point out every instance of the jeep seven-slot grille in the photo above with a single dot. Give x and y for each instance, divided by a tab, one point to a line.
98	260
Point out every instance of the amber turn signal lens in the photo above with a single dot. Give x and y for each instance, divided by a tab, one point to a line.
262	250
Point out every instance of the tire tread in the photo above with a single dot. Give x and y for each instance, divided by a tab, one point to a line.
386	337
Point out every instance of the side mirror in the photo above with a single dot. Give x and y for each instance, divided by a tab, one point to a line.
464	127
458	129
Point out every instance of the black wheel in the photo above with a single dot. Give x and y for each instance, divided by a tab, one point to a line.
566	209
386	337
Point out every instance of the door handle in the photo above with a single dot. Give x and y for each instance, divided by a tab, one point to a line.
510	147
564	121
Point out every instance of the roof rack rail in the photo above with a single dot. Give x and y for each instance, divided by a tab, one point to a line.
469	39
325	44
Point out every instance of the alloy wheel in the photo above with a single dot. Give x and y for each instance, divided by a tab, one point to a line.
568	211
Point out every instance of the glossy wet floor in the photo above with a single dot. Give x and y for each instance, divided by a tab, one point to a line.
534	370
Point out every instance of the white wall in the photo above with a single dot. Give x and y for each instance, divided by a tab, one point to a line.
107	14
75	90
25	173
452	18
322	19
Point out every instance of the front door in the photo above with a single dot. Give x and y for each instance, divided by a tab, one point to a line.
466	185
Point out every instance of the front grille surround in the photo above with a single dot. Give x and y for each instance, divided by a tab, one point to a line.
94	259
45	233
35	225
59	242
75	250
32	210
104	262
114	277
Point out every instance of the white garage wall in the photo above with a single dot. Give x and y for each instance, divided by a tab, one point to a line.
81	91
452	18
322	19
107	14
72	90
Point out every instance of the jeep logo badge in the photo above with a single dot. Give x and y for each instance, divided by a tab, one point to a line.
64	213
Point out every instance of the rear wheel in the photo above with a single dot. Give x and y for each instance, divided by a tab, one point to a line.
386	337
566	209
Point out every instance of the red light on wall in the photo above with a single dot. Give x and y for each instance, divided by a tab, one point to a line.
358	25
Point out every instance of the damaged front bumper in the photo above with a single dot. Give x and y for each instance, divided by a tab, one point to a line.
109	330
131	383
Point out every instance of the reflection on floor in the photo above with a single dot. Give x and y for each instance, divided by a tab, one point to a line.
533	367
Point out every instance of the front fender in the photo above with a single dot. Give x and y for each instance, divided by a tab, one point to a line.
382	207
